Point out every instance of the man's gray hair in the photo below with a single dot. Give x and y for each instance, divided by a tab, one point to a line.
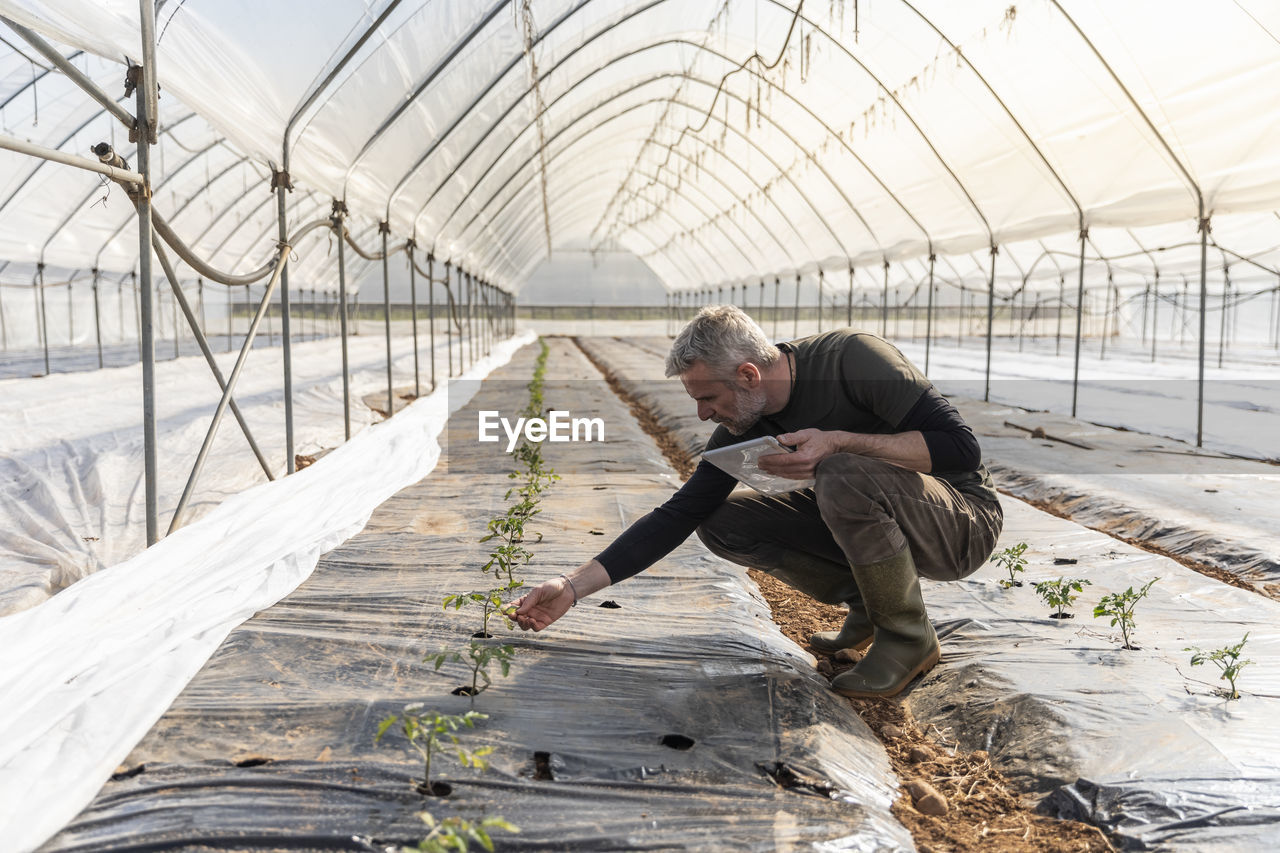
722	337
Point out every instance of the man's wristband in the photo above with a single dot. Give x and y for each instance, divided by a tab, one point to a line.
572	589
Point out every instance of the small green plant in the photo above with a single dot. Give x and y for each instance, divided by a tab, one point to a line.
1012	561
1226	659
455	834
479	656
429	731
1059	594
1119	606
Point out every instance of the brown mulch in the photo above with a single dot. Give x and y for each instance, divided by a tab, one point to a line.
983	812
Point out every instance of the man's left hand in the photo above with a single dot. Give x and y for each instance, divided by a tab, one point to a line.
811	447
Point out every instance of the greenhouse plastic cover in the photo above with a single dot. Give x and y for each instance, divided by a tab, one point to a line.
860	133
272	744
86	673
1137	742
71	465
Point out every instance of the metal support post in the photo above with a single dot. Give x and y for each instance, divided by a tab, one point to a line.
820	279
777	293
991	313
884	303
1075	370
413	310
1062	303
281	183
1155	315
848	317
97	317
384	228
339	209
431	313
44	316
448	314
795	316
146	120
1204	268
1222	321
928	317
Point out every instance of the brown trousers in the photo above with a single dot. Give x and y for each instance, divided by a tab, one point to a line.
860	511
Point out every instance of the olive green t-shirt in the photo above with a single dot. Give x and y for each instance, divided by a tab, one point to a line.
856	382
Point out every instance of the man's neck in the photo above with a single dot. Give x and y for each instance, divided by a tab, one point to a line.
778	381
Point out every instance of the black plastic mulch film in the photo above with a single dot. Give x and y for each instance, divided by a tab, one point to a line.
661	723
1133	741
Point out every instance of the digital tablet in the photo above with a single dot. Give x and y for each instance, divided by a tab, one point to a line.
740	461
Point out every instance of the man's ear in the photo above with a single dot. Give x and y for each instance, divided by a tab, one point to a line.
748	374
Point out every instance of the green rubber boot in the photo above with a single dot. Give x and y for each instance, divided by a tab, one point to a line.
905	643
855	634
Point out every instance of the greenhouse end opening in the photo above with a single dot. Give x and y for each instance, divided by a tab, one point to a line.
560	427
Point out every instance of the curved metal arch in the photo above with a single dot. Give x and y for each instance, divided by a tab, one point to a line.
782	172
45	71
734	243
236	161
745	137
564	16
476	184
715	260
888	94
762	223
498	121
530	236
253	167
995	95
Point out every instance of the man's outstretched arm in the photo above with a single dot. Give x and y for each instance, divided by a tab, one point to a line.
550	600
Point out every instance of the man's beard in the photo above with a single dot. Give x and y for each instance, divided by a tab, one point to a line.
750	405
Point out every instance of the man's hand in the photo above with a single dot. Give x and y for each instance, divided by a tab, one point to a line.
550	600
544	604
811	447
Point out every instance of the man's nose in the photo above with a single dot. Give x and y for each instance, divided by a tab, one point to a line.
705	411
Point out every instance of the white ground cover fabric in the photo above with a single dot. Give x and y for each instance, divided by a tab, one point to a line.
71	469
87	673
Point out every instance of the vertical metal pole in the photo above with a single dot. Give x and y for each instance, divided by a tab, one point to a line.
44	317
431	312
97	317
762	303
175	326
282	185
1204	268
340	226
1106	317
384	228
1062	303
777	292
795	314
820	280
137	311
884	303
448	313
928	317
413	309
231	311
147	333
200	300
991	314
848	311
1146	296
1222	323
1075	370
1155	316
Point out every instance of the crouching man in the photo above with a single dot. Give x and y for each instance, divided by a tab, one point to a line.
899	490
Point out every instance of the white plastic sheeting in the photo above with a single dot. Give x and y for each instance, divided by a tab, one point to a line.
72	495
87	673
861	132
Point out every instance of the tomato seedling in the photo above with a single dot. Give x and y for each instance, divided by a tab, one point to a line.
455	834
1119	606
1059	594
1226	659
1012	561
429	731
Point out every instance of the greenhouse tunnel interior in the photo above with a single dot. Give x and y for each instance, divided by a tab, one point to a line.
263	265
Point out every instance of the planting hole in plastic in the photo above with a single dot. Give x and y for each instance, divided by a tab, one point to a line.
677	741
464	690
610	604
437	789
252	761
542	767
482	635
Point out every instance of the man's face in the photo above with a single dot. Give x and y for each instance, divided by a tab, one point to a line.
735	401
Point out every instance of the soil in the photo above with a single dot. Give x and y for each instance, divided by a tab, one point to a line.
983	812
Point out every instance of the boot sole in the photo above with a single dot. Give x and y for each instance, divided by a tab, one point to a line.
927	664
861	645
